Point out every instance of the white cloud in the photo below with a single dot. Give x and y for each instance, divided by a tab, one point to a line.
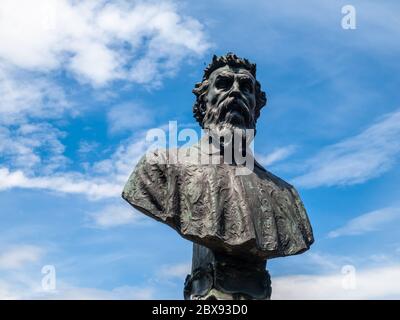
128	117
18	256
356	159
104	179
98	42
65	183
33	157
27	139
95	42
276	155
180	270
324	261
371	221
5	292
25	96
22	147
20	288
87	147
123	160
115	215
372	283
80	293
21	278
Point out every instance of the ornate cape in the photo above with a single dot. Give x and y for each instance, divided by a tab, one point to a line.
258	216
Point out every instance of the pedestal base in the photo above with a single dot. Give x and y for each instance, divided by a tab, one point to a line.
218	276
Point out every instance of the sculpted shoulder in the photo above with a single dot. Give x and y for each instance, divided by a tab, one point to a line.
272	177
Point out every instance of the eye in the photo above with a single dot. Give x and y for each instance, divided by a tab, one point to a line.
247	86
223	83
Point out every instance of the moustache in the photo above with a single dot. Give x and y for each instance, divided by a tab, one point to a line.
230	104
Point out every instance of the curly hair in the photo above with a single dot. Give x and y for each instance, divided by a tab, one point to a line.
201	88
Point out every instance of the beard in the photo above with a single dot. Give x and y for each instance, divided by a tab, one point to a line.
228	119
229	114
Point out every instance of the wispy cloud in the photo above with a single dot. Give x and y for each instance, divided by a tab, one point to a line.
65	183
18	256
87	147
325	261
372	283
103	179
128	117
67	292
115	215
368	222
180	270
24	96
24	288
356	159
276	155
22	147
21	278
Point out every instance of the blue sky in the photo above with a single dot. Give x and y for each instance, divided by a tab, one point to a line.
82	82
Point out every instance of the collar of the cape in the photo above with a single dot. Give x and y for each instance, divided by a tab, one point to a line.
205	147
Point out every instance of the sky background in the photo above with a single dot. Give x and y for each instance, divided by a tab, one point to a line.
82	82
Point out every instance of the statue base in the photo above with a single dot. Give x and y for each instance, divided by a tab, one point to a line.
217	276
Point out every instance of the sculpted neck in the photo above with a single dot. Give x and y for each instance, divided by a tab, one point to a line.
231	143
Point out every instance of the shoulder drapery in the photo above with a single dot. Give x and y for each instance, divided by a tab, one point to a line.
258	215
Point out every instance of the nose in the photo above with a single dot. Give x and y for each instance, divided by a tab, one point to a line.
235	90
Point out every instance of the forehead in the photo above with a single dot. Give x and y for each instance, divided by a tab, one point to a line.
231	71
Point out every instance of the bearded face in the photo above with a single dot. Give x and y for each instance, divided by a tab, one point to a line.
230	100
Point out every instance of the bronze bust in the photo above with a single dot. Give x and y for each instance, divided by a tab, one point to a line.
237	222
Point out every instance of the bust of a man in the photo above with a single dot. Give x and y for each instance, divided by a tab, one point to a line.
236	221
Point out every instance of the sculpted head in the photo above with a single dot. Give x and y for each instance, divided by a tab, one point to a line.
229	95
